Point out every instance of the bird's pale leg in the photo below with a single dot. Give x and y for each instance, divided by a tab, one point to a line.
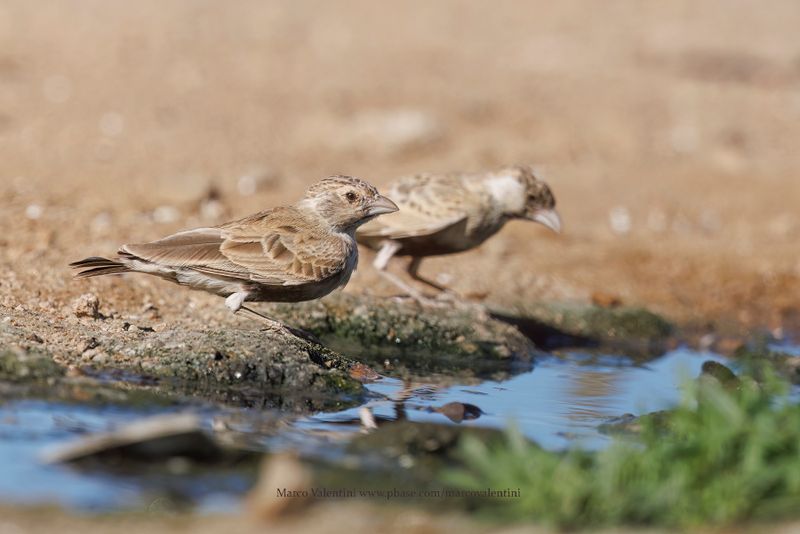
388	249
272	324
235	302
413	272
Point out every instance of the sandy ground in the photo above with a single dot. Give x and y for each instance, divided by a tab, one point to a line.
668	131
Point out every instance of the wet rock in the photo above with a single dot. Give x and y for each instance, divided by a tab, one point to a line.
458	411
248	367
716	371
17	365
87	305
252	367
553	325
156	438
241	366
416	339
711	372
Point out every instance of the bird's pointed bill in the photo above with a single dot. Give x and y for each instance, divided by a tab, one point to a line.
382	205
549	218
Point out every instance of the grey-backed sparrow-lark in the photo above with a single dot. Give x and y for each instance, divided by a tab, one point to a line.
448	213
284	254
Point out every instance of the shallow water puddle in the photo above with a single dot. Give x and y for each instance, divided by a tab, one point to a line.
561	402
29	428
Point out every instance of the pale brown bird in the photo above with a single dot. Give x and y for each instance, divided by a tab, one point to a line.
448	213
284	254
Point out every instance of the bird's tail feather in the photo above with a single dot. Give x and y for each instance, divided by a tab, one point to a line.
97	266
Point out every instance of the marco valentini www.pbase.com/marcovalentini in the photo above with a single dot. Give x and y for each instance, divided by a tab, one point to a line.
395	493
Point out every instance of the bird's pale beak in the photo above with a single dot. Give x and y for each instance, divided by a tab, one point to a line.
549	218
380	206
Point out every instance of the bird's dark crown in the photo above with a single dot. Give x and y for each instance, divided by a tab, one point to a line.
339	183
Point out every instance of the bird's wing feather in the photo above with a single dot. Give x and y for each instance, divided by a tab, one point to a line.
428	204
198	247
284	257
269	249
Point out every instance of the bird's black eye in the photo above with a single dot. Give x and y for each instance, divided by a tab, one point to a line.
351	196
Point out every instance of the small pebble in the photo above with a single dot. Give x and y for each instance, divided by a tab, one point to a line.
286	472
100	358
87	305
34	211
606	300
257	180
619	218
166	214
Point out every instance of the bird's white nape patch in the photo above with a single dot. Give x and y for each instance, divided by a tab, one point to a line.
310	203
507	191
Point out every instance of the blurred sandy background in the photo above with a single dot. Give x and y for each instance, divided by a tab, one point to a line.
669	132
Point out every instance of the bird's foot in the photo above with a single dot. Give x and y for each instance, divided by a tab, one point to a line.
448	295
409	291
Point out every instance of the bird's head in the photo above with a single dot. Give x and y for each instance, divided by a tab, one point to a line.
346	203
523	196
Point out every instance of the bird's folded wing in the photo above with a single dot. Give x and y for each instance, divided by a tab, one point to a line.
428	204
277	256
198	247
286	256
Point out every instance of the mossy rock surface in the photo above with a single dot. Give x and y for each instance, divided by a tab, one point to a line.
558	324
242	363
417	339
243	366
231	365
19	366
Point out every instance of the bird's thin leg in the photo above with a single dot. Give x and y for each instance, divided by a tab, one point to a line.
387	250
275	325
235	303
272	324
413	272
